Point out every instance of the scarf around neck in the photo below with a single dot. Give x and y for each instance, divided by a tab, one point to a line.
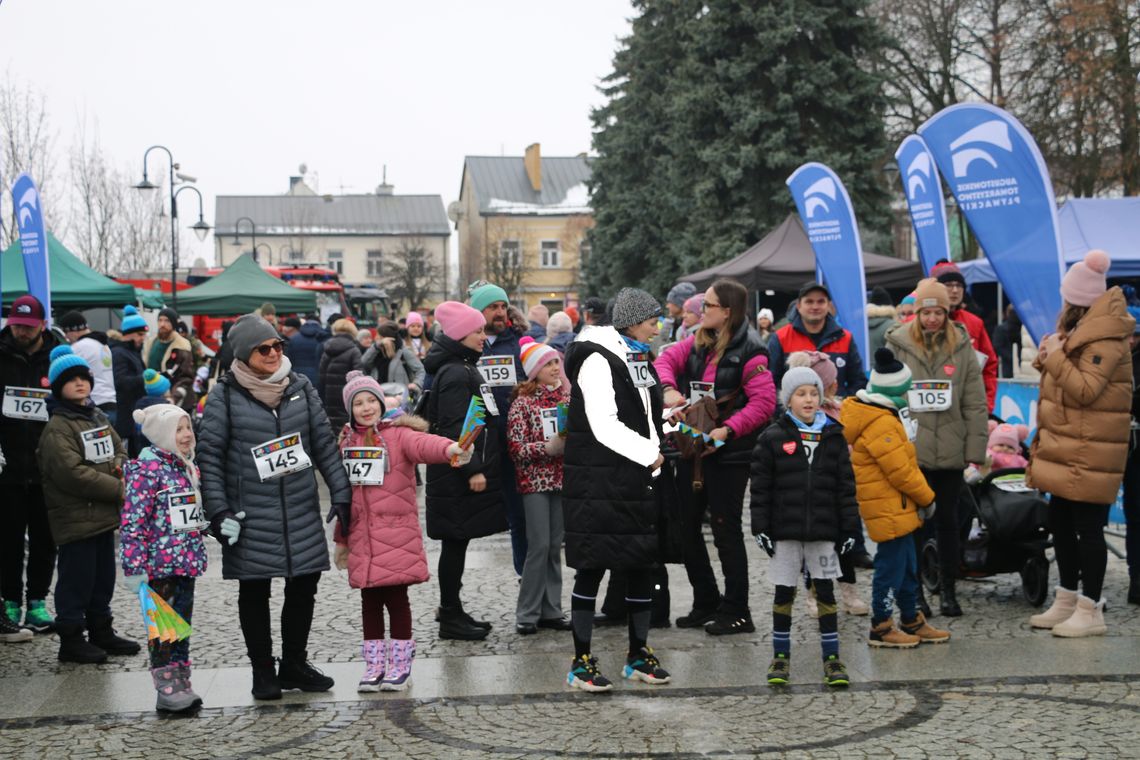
267	390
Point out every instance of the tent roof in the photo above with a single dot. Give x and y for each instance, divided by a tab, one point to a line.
784	260
73	283
242	287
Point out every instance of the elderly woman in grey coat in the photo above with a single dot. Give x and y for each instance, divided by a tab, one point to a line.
263	436
389	360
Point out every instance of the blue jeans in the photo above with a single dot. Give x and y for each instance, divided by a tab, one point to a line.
895	580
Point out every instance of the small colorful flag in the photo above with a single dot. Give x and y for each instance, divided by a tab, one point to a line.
473	424
563	418
161	621
692	431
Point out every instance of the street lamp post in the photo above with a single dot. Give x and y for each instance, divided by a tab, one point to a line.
252	234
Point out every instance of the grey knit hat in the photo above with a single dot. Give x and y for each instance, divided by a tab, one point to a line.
680	293
633	306
249	332
794	378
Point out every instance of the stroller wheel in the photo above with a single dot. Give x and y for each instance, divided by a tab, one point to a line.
928	567
1035	580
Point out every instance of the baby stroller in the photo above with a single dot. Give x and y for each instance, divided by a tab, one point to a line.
401	393
1002	522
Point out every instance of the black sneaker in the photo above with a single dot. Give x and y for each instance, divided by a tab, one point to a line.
300	674
644	666
265	684
696	618
834	674
584	675
10	633
724	625
779	671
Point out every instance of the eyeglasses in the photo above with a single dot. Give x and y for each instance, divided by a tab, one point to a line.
277	346
706	306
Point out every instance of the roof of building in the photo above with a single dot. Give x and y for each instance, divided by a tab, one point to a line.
332	214
501	185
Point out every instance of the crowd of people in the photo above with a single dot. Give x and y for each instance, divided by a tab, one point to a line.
614	430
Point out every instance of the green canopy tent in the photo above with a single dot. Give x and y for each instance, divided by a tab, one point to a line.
73	283
241	288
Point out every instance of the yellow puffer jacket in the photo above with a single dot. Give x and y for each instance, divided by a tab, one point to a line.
888	483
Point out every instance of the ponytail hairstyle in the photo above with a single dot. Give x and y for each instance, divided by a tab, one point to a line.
734	297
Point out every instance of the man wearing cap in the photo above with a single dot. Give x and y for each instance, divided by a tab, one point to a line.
93	348
25	355
171	354
947	273
812	328
128	366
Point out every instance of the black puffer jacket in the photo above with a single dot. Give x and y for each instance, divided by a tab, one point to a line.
794	500
341	356
454	511
128	366
283	533
19	438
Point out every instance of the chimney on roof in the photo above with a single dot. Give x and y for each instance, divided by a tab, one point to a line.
297	186
384	188
533	163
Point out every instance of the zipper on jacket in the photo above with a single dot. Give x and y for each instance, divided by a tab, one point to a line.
281	492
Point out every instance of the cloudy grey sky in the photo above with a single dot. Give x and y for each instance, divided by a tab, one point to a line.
242	91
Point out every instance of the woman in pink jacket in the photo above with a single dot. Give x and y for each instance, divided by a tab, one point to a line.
724	359
384	549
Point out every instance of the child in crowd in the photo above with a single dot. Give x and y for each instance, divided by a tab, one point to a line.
1003	451
803	508
384	550
536	446
894	499
161	539
80	456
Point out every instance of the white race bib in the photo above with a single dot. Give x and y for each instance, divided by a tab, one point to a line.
929	395
26	403
489	400
810	440
698	391
638	362
497	371
365	465
280	456
98	445
185	510
549	422
982	358
910	424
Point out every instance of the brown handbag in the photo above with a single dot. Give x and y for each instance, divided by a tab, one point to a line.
706	416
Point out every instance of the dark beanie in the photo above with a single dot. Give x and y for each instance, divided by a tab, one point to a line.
72	320
170	314
880	296
249	332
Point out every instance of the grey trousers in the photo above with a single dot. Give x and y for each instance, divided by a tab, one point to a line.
540	590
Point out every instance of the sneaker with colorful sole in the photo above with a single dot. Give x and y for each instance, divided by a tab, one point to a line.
644	666
584	675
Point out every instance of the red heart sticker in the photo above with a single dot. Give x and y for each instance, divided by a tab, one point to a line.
948	369
44	382
790	447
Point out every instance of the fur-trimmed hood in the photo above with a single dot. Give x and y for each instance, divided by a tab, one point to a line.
873	311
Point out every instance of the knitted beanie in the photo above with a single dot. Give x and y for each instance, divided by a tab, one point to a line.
1085	281
359	382
947	271
632	306
818	362
693	305
458	320
72	321
572	313
156	383
931	293
890	377
880	297
1004	434
680	293
559	322
159	423
132	322
535	356
907	299
413	318
485	295
170	314
766	314
794	378
249	332
66	364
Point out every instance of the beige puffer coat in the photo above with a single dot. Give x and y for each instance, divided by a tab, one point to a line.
951	439
1081	445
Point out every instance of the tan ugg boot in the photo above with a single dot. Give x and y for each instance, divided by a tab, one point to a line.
927	633
852	604
1088	620
1064	605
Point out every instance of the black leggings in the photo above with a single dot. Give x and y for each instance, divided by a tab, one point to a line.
723	498
1078	540
638	601
296	617
452	559
947	487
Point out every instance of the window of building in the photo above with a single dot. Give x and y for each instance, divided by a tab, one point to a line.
548	254
336	261
293	255
511	254
583	253
375	263
417	267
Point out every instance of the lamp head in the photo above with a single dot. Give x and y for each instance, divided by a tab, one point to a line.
200	229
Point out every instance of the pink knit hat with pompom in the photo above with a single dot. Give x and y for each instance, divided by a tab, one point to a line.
356	383
1085	281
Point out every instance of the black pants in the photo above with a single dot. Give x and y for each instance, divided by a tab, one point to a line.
23	514
613	605
296	617
723	497
1078	540
583	602
947	487
1132	512
86	580
452	560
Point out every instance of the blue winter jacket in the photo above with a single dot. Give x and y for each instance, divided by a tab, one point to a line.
304	350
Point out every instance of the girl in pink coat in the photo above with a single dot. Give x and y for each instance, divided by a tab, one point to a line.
384	549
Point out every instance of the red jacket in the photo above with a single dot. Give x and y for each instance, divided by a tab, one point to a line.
535	470
982	344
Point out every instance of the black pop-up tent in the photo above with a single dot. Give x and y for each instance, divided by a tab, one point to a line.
784	261
241	288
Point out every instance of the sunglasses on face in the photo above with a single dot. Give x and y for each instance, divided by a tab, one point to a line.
277	346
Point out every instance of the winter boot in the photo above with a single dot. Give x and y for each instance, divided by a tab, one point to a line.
949	594
299	673
455	624
74	647
1087	620
400	656
1063	607
922	604
927	633
886	635
103	636
375	654
1134	587
484	624
10	633
173	696
37	618
184	677
12	610
852	604
696	618
265	683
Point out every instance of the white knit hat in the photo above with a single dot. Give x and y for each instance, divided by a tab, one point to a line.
794	378
159	424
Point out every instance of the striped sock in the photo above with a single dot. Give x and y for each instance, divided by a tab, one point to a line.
828	618
782	602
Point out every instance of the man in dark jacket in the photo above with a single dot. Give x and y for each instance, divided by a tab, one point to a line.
25	349
304	348
341	355
127	362
812	328
1132	473
1006	336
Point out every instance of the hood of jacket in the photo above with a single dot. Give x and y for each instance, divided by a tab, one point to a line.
445	350
1108	317
339	344
312	330
863	409
876	315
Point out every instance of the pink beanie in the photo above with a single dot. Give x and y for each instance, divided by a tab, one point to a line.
1006	434
535	356
818	362
694	303
1085	282
458	320
413	318
358	382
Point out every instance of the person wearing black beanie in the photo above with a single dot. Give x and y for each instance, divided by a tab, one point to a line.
172	355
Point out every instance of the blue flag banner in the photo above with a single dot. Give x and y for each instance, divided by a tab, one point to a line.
923	187
33	240
829	219
1001	183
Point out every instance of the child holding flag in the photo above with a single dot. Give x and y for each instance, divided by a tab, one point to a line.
161	539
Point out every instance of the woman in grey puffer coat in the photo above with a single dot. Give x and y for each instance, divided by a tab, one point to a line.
262	499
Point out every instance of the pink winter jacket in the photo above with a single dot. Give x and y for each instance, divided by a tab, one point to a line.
759	389
385	543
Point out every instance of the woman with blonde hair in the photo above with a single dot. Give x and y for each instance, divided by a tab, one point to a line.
416	338
947	409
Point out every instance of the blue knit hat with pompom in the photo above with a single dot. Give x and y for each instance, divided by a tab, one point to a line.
66	364
132	321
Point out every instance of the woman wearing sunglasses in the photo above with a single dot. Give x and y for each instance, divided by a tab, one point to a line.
262	437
